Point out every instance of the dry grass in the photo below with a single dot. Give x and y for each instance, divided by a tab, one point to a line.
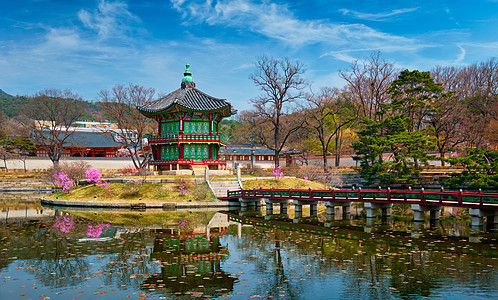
145	218
283	183
136	193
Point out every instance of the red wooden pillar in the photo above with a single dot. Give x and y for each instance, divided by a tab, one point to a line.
155	152
180	154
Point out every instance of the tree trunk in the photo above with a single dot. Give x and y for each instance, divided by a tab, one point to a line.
324	161
337	149
442	158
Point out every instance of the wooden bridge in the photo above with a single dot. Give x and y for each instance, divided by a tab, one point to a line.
480	204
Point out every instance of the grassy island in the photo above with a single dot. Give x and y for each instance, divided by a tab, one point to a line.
132	192
182	191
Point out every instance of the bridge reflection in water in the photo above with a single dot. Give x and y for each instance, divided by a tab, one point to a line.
246	255
434	238
378	264
480	205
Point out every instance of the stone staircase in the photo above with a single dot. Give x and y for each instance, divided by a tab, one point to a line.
198	170
220	188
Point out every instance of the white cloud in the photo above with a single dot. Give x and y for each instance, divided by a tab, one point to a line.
461	56
379	16
278	22
63	38
110	19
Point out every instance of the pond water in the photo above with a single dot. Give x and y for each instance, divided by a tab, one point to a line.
170	255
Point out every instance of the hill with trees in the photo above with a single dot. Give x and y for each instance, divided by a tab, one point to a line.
4	95
13	106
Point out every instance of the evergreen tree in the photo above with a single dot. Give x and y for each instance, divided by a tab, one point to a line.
391	148
480	169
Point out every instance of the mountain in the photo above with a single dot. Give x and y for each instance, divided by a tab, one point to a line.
13	106
4	95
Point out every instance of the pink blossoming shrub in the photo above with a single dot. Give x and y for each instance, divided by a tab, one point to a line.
93	175
183	188
183	223
305	180
61	179
64	223
277	171
96	230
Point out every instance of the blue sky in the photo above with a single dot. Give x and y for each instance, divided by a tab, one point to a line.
91	45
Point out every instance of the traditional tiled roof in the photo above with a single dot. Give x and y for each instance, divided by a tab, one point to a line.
92	139
245	151
188	97
89	139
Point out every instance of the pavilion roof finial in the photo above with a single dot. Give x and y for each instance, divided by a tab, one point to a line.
187	75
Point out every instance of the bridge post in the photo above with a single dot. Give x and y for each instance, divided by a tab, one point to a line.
243	205
269	206
419	212
346	208
386	211
434	215
248	202
257	203
346	211
283	207
330	209
313	209
371	208
298	206
479	214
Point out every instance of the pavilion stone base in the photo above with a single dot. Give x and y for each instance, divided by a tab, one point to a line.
190	170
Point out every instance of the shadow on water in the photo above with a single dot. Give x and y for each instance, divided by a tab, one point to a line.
181	254
374	261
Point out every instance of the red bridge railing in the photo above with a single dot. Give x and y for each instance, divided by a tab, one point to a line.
443	198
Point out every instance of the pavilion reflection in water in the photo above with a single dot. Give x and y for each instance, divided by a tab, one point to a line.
191	262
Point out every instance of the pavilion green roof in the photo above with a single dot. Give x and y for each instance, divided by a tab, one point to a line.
188	97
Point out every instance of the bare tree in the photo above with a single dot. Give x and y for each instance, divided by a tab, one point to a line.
479	79
120	106
449	78
282	85
476	88
327	113
304	141
445	120
51	113
368	83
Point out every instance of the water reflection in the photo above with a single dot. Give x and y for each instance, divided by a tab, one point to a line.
242	255
190	264
379	264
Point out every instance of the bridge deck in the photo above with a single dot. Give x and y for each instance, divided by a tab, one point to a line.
456	199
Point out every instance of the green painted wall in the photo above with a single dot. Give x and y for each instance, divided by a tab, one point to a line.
197	152
169	152
196	127
170	128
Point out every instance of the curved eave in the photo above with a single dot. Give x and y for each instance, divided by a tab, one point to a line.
225	111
